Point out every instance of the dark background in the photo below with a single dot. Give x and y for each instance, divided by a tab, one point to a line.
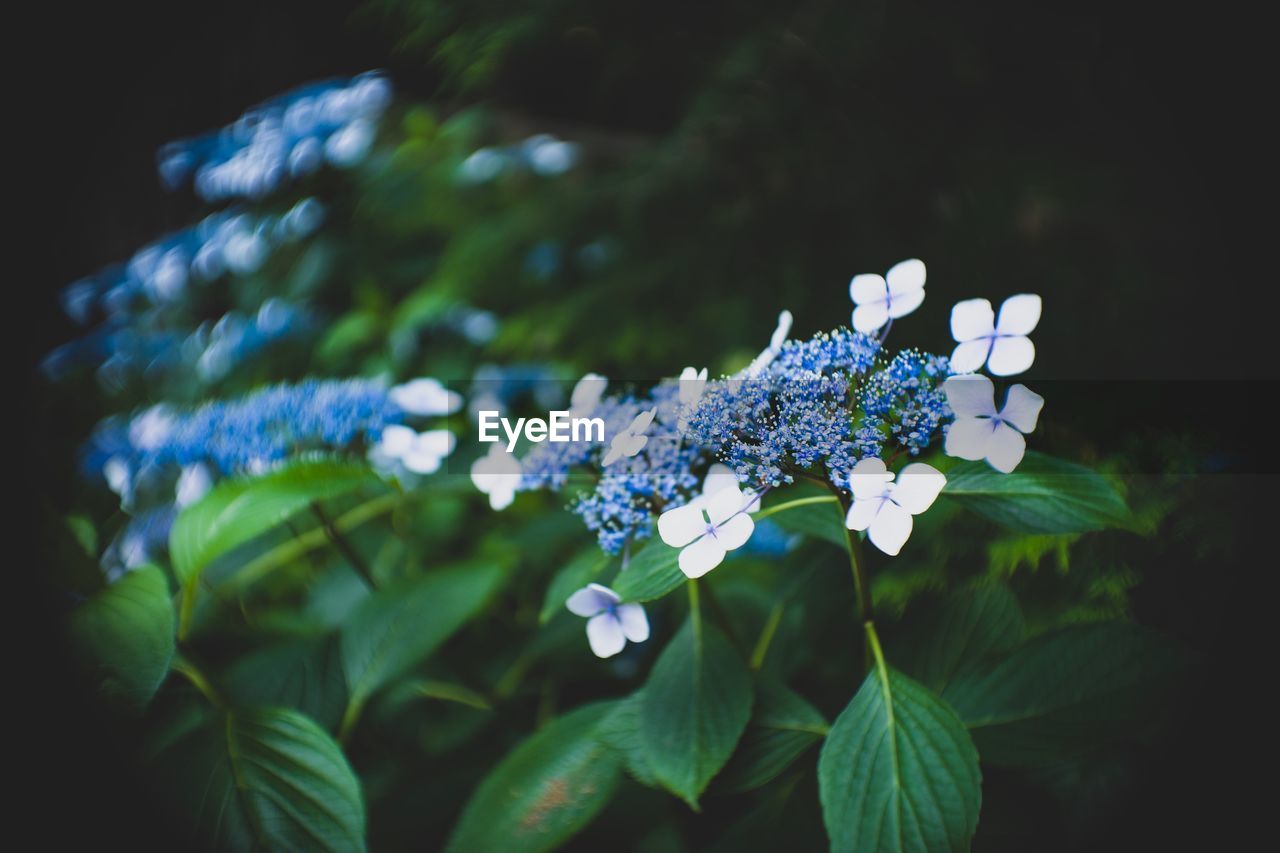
1178	103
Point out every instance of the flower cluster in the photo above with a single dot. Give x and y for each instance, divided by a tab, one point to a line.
543	155
903	403
287	137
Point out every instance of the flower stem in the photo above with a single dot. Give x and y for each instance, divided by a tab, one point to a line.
783	507
344	547
861	586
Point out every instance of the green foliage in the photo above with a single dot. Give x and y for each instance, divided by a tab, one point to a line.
651	574
548	788
783	727
125	635
696	705
898	771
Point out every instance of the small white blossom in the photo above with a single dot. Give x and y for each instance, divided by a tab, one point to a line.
884	508
707	528
1002	345
765	358
879	299
193	483
420	453
426	398
586	395
610	623
982	432
631	440
497	475
692	384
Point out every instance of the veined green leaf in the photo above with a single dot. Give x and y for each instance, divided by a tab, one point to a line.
546	790
783	725
1044	495
696	705
651	574
125	633
303	674
620	731
940	638
583	569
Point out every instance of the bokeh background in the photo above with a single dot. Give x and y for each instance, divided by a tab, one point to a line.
1115	159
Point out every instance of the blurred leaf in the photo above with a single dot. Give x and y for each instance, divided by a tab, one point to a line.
546	790
941	638
125	633
696	705
401	624
898	771
452	693
1044	495
1067	691
620	731
651	574
266	779
587	567
822	521
304	674
783	725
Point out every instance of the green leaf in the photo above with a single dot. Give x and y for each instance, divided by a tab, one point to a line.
941	638
696	705
651	574
238	510
822	520
783	725
125	634
546	790
620	731
1062	693
581	570
402	623
1044	495
304	674
898	771
267	779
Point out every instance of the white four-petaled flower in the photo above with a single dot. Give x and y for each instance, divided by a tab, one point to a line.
982	432
1000	344
711	525
631	440
426	398
692	384
610	623
419	452
498	475
884	508
586	395
879	299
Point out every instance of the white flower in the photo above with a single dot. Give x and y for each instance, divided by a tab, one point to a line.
631	440
425	397
421	453
707	529
884	508
692	384
720	477
586	395
192	484
764	359
497	475
1002	345
880	299
609	622
981	432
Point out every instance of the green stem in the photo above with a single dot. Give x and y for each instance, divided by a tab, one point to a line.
766	636
722	617
193	674
783	507
695	612
861	586
344	547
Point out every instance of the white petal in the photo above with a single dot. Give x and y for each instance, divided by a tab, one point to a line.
1022	408
501	498
396	440
422	461
701	557
751	499
725	504
970	355
604	633
968	438
868	288
862	513
870	316
719	476
1019	314
735	532
901	306
971	319
781	331
970	396
680	526
890	529
1011	355
641	421
635	625
917	487
906	277
438	441
587	393
426	397
868	478
590	600
1006	448
615	450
